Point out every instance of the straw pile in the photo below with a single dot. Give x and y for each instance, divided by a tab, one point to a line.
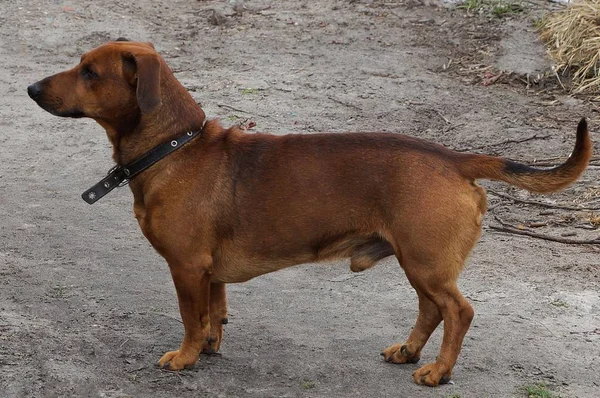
573	39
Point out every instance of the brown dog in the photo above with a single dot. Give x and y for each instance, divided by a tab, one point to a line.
230	206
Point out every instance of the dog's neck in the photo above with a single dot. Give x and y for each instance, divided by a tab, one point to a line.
177	114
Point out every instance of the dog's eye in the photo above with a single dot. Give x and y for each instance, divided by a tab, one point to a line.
88	74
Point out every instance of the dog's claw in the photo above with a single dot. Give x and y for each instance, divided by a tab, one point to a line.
445	379
224	321
210	340
404	351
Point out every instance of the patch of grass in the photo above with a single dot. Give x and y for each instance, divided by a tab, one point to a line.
308	384
594	219
502	9
247	91
572	36
59	291
498	8
471	5
538	23
453	395
538	390
559	303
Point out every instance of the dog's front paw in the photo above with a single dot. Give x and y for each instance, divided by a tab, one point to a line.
177	360
212	345
400	353
432	375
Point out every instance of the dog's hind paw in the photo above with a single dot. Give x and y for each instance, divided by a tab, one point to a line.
432	375
399	353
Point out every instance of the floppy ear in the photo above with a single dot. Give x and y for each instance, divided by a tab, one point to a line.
144	70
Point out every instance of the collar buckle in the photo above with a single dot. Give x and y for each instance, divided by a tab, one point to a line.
119	176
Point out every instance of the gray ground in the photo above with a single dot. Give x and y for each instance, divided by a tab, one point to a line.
87	307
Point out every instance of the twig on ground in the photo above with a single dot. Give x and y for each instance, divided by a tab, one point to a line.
533	137
344	103
506	227
548	329
542	204
171	316
239	110
554	161
494	206
452	127
558	78
442	116
491	80
137	369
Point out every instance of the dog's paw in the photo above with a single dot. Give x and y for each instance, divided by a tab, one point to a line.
400	353
432	375
212	345
177	360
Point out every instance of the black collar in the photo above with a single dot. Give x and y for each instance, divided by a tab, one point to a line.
119	176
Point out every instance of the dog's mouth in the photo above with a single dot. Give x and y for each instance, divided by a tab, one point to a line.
73	113
51	104
53	107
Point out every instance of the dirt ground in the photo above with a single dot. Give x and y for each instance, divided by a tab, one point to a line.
87	307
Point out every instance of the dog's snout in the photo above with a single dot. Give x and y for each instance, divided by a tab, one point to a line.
34	90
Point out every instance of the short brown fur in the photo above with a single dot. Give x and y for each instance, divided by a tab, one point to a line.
230	206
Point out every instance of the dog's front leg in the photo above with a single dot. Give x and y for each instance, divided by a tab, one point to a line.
218	318
192	282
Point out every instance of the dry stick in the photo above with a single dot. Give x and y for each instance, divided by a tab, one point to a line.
239	110
554	161
558	78
442	116
137	369
344	103
452	127
542	204
505	227
533	137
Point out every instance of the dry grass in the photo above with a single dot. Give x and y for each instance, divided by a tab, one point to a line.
594	219
573	40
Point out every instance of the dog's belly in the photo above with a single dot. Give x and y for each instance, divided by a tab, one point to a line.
234	264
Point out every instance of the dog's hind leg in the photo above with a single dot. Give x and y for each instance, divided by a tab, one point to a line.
428	320
457	314
432	270
432	256
218	317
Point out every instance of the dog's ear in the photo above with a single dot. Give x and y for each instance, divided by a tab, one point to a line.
143	71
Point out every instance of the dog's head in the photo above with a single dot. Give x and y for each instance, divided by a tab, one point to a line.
119	80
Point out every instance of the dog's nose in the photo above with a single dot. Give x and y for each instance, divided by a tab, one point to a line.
34	90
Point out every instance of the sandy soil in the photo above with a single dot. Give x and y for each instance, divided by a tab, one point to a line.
87	307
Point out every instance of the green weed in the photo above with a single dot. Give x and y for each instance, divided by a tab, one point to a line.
538	390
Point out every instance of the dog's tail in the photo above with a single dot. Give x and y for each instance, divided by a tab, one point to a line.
532	179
